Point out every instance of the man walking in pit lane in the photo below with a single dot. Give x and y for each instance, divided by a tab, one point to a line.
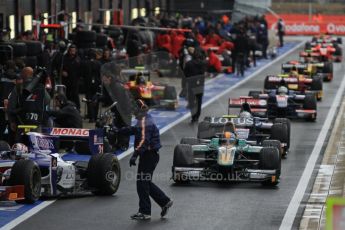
146	145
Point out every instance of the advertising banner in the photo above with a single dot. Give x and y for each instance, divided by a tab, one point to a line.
300	24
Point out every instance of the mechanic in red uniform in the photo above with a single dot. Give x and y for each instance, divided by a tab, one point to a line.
164	41
226	45
177	40
213	39
214	64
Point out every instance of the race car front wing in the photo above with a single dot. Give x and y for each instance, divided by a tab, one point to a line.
202	174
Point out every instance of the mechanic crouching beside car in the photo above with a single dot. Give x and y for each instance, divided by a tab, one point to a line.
67	115
146	145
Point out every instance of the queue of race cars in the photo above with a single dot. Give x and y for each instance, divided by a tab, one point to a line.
246	144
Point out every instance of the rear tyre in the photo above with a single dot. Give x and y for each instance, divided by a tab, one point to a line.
27	173
170	93
270	160
310	104
86	36
204	131
190	141
275	144
33	48
254	94
316	85
268	85
328	69
288	125
101	40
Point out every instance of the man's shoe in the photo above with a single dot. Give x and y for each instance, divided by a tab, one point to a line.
140	216
166	208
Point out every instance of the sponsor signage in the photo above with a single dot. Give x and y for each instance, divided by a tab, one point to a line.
296	24
69	132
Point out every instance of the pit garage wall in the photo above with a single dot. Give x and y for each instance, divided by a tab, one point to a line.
85	9
201	5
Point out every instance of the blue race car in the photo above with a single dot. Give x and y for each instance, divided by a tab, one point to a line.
37	167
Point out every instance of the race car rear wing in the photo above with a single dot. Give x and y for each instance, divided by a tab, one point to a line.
92	137
287	67
289	80
256	104
306	54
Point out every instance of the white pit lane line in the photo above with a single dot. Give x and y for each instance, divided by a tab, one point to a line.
45	204
295	202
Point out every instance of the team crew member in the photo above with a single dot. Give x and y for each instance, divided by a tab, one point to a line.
147	144
68	115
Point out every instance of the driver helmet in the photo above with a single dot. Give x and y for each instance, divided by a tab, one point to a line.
141	80
245	114
230	137
20	149
282	90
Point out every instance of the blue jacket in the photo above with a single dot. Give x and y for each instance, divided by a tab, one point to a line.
146	135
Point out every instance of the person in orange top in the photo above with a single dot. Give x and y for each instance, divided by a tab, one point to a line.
213	39
164	41
214	64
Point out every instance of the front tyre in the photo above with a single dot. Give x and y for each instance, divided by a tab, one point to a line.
27	173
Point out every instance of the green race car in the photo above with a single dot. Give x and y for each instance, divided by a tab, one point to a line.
226	158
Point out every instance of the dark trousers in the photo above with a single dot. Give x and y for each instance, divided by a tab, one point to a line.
145	188
197	110
72	92
281	39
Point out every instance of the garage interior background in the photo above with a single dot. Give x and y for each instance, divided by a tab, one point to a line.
18	14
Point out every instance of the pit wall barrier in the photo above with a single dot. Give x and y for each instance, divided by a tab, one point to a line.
302	24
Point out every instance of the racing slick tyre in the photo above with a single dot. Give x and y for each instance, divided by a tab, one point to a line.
183	157
288	124
268	84
189	141
328	68
104	174
275	144
307	46
4	146
270	160
18	48
86	36
31	61
280	132
316	85
33	48
86	45
254	94
338	51
170	93
101	40
204	131
72	37
310	103
340	40
27	173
